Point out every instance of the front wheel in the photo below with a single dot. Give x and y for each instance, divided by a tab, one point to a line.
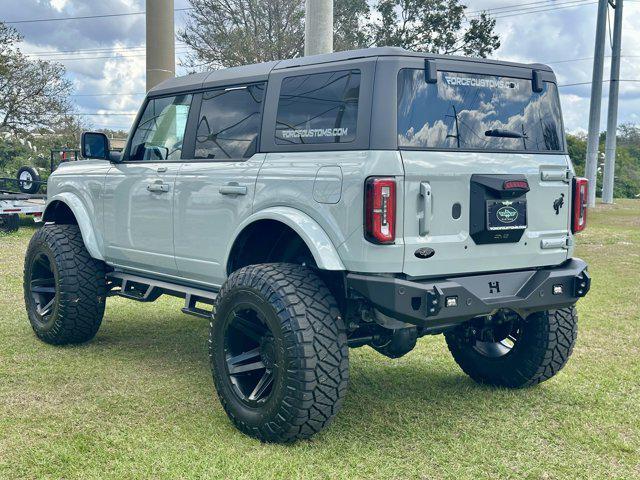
64	288
516	352
278	352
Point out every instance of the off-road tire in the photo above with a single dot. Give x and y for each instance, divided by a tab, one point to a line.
9	223
80	286
33	177
545	346
309	335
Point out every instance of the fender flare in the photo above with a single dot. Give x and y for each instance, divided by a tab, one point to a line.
82	217
324	252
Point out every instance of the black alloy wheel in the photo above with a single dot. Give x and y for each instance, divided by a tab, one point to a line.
42	287
278	352
64	288
499	340
515	352
251	355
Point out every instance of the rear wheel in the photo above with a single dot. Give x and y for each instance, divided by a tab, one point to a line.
64	288
516	352
9	223
278	352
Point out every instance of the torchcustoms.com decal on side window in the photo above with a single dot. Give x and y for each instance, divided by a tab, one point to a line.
463	111
318	108
315	132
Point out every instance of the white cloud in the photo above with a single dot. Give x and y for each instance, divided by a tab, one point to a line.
567	34
544	37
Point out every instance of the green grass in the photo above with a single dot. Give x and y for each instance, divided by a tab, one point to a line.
139	402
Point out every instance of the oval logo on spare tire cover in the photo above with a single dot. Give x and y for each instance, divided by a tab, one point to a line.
507	214
424	252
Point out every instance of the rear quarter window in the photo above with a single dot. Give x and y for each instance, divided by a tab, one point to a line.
466	111
318	108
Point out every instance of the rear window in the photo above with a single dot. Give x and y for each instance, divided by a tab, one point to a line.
318	108
464	111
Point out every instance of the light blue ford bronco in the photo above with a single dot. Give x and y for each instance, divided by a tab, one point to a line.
310	205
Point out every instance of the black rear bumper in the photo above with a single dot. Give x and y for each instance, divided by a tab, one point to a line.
448	301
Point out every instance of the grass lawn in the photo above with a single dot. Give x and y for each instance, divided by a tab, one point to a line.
138	401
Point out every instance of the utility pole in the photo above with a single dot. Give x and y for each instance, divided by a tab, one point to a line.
612	114
457	135
318	27
161	46
591	163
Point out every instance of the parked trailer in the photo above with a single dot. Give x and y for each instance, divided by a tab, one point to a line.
14	202
20	195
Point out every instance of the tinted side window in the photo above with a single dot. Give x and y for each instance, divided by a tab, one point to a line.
160	132
229	122
318	108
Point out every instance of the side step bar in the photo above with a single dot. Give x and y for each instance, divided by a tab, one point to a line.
143	289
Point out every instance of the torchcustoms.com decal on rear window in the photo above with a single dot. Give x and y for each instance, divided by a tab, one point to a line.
481	82
473	111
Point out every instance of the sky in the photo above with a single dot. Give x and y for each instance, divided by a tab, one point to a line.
108	82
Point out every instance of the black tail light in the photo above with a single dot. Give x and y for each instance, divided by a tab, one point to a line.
380	210
580	196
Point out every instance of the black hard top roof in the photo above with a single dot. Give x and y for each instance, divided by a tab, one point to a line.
260	71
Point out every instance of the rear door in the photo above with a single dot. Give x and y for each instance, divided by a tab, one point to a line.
215	187
487	182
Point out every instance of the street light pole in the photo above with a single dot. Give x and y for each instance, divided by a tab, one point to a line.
591	162
161	48
318	27
612	116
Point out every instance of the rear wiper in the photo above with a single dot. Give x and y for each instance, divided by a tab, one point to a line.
503	133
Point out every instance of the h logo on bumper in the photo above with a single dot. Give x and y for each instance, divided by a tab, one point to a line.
494	287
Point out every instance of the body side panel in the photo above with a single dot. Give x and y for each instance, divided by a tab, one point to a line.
80	185
287	180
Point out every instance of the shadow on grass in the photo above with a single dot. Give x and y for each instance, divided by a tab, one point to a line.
383	394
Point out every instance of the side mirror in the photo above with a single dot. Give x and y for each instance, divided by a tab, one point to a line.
95	145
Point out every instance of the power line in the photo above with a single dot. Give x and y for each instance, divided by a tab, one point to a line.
106	57
106	94
589	83
587	58
102	114
95	50
546	10
87	17
524	7
513	5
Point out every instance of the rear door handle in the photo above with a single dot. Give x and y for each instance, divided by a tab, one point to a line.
233	188
158	187
555	175
425	196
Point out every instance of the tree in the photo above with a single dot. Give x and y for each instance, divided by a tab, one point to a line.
224	33
350	20
33	93
434	26
627	177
